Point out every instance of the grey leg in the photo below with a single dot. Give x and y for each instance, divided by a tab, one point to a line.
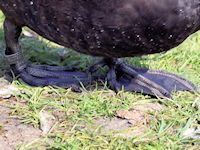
38	75
13	52
12	33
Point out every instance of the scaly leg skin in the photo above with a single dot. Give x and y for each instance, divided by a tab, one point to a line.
155	83
38	75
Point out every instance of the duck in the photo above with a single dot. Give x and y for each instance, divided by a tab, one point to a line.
108	29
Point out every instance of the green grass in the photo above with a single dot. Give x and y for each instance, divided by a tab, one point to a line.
78	111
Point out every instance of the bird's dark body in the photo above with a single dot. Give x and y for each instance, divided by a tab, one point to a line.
109	28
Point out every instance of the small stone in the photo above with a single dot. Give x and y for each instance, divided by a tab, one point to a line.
7	89
196	104
47	121
133	116
193	133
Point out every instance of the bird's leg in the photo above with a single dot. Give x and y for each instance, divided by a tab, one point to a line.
157	83
37	75
13	52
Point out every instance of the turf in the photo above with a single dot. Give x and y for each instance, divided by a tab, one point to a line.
77	112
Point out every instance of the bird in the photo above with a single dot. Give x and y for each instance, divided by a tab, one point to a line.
108	29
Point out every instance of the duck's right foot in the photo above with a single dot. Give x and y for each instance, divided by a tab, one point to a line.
157	83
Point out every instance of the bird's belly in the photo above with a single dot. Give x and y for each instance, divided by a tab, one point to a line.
117	42
112	36
138	37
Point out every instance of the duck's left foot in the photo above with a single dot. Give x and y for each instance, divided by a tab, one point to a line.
156	83
44	75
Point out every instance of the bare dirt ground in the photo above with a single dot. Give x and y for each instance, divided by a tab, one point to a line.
12	132
126	124
129	123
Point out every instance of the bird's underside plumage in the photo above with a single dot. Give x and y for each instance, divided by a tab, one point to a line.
111	28
108	28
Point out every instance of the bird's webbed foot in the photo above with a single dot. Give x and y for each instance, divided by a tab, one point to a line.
156	83
44	75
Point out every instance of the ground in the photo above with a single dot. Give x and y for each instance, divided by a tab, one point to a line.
98	118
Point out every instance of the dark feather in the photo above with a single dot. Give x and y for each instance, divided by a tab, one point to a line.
111	28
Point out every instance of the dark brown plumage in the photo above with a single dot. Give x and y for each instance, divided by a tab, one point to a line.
107	28
120	28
